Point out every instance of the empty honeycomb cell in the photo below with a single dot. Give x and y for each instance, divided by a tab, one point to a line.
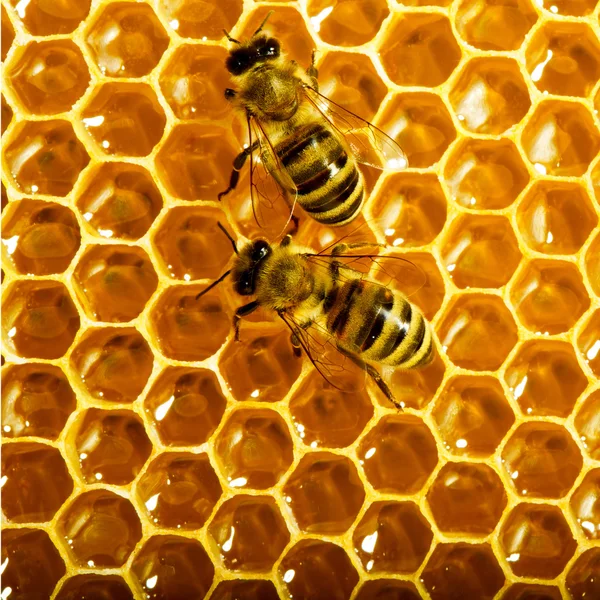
249	533
37	400
94	587
481	251
112	446
49	77
254	448
250	589
179	490
113	364
536	541
549	296
388	589
490	96
588	343
324	493
35	482
39	319
392	537
398	454
114	282
564	58
583	578
39	238
560	138
126	39
585	505
545	378
419	49
532	591
8	34
592	262
124	119
462	571
99	529
6	115
45	157
120	200
587	423
47	18
170	566
485	174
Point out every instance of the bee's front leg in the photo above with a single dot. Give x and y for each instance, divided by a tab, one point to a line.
343	248
238	164
240	313
313	73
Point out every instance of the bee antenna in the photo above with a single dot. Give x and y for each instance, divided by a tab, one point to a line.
213	284
263	23
228	237
229	37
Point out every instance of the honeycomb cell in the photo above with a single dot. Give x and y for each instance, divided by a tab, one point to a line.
318	570
6	115
120	201
8	34
113	364
583	579
45	157
124	119
392	537
536	541
112	446
462	571
481	251
114	282
398	454
564	59
254	448
549	296
39	319
490	95
531	591
170	566
94	587
251	589
585	505
47	18
126	40
592	262
576	8
587	423
39	238
324	493
542	460
36	401
560	138
179	490
35	482
388	589
49	77
469	323
588	343
485	174
419	49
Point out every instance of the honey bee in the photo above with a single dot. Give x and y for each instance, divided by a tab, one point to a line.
321	296
307	143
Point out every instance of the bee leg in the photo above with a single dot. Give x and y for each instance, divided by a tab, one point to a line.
296	347
343	248
313	73
238	164
243	311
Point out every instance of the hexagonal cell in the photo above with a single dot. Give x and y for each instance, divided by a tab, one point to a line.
585	505
549	296
114	364
112	446
462	571
583	579
592	261
467	498
324	493
94	587
250	589
39	238
179	490
536	541
587	423
485	174
120	200
124	119
8	34
42	18
5	116
318	570
114	282
39	319
471	321
532	591
495	25
392	537
33	564
126	40
564	58
481	251
560	138
254	448
388	589
419	49
490	95
35	482
170	566
542	460
45	157
588	343
398	454
576	8
49	77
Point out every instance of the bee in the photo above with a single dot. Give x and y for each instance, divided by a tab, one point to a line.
308	144
322	296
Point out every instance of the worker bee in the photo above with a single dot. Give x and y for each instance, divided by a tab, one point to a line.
328	303
307	143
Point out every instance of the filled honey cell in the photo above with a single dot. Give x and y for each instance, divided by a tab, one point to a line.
8	34
583	579
94	586
250	589
588	343
391	589
6	116
585	505
587	423
532	591
592	262
43	18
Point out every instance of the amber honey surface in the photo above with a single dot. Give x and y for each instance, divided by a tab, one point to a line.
146	454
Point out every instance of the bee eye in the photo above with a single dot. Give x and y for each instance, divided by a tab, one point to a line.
244	285
260	249
271	48
237	64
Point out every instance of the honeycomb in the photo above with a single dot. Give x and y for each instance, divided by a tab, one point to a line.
146	454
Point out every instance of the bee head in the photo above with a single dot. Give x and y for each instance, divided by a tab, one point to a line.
249	262
257	50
